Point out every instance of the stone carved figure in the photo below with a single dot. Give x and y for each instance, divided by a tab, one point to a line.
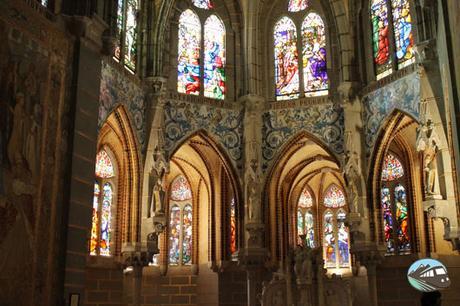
253	184
427	142
157	178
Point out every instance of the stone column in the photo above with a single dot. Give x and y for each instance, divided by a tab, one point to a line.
135	257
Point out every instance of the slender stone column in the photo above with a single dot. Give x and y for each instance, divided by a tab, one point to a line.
136	257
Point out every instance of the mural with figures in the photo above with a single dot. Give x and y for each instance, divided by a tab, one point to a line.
34	125
226	125
116	89
324	121
403	94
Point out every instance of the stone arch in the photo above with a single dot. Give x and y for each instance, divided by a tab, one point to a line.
118	135
303	160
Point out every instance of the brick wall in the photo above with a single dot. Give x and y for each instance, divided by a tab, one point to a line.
104	286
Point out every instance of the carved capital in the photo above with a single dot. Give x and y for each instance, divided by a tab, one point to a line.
156	86
447	212
134	255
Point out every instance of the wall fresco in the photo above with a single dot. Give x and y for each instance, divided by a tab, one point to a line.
325	121
403	94
118	89
183	118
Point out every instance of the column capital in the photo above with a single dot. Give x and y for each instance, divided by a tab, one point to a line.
134	254
156	86
447	212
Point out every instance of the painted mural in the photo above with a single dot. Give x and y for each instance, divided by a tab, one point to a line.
325	121
403	94
118	89
183	118
34	125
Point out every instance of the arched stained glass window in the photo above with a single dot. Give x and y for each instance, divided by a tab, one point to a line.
401	36
180	222
305	199
343	238
214	58
334	197
126	33
101	228
297	5
286	59
233	247
174	235
180	189
392	169
314	55
309	229
402	25
188	60
395	209
204	4
104	166
329	240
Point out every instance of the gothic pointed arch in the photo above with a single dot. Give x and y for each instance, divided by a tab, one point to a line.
117	141
304	165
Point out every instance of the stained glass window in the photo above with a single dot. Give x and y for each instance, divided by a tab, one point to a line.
329	240
305	199
131	34
334	197
204	4
300	225
392	168
174	235
297	5
104	241
188	60
214	58
344	254
119	32
180	189
104	166
314	55
95	220
44	2
380	37
309	229
286	59
232	226
395	209
187	235
402	25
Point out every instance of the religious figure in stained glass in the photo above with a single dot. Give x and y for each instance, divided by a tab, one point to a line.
131	34
187	235
233	226
174	235
104	241
314	55
309	229
120	26
214	58
343	239
203	4
402	25
329	240
305	199
380	37
180	189
95	220
334	197
188	60
395	208
305	219
297	5
286	59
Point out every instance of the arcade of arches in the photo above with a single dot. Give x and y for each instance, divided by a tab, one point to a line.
227	152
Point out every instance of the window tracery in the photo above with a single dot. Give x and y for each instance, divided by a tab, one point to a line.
395	208
101	242
196	74
288	69
391	26
180	222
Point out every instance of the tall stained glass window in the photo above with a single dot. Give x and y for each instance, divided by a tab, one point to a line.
180	222
313	49
336	245
101	228
286	59
203	4
126	33
297	5
188	61
314	55
395	210
233	246
305	219
383	38
214	58
197	75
